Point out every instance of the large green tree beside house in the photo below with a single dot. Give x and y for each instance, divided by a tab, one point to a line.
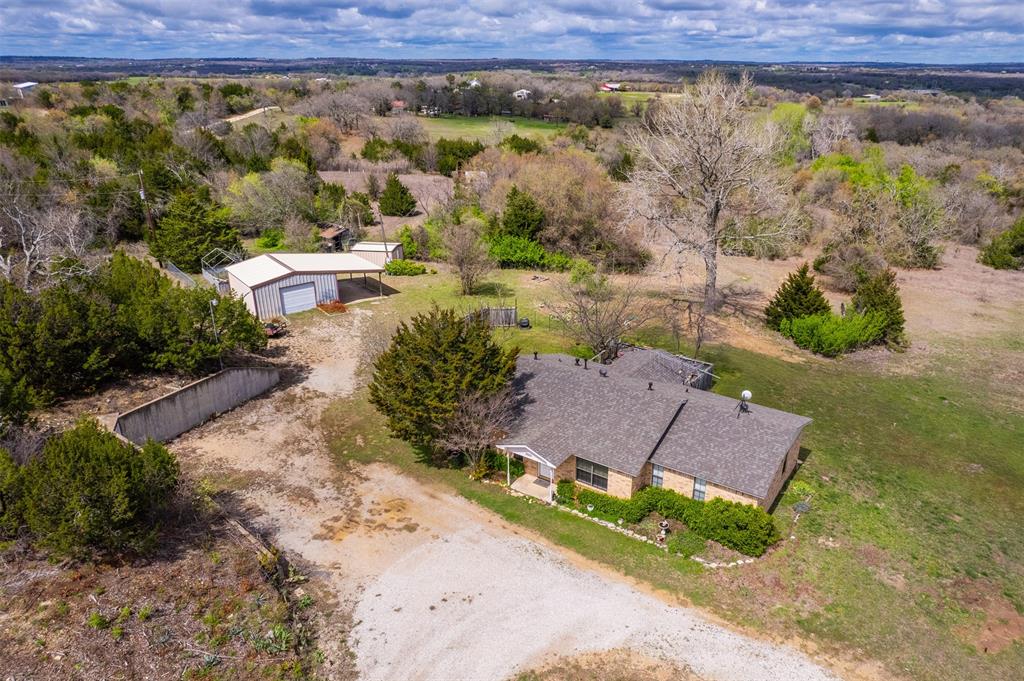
435	362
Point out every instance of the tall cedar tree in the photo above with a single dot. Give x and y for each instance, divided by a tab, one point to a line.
396	198
880	293
434	362
88	492
797	297
523	217
191	228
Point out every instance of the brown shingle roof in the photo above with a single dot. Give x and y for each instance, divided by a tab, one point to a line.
615	420
572	411
712	439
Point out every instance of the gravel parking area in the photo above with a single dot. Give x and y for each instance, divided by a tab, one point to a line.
476	604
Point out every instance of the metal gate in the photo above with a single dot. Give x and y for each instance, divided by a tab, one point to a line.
298	298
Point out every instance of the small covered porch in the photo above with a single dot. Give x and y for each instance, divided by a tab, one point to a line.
538	480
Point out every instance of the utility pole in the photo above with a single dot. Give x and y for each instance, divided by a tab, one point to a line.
216	336
145	206
387	253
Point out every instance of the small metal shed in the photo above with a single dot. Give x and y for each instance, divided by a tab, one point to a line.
283	283
380	252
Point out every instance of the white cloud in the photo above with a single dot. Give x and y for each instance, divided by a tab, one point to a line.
919	30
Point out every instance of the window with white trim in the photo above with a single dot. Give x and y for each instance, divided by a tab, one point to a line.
699	488
657	475
592	474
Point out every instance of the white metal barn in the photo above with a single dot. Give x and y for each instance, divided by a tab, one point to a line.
380	252
282	283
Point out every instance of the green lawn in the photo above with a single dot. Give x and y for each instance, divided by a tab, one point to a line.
482	127
500	288
916	486
861	101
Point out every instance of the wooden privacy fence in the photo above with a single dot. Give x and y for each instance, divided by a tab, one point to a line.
496	316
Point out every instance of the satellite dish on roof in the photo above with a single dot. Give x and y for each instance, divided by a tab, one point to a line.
742	407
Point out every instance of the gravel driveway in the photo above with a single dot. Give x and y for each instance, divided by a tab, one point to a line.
477	605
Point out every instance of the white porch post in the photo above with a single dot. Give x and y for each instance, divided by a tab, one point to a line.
508	468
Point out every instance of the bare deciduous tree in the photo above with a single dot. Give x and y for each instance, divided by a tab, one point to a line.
467	252
596	312
300	235
408	130
35	236
480	421
697	157
827	133
498	131
252	142
346	110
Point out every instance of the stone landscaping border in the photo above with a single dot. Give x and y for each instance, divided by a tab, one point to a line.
625	531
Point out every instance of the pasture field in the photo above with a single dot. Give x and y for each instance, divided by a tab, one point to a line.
482	127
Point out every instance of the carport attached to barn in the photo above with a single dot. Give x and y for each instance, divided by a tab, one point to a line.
283	283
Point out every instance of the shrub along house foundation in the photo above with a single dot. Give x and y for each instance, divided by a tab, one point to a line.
613	432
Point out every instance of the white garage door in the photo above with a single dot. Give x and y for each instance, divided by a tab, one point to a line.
298	298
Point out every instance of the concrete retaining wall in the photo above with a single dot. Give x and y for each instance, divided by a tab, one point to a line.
171	415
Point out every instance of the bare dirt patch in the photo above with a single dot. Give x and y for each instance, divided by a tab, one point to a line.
112	399
613	665
999	624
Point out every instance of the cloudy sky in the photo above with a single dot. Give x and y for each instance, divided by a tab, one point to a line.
951	31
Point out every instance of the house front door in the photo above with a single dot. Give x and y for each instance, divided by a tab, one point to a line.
546	471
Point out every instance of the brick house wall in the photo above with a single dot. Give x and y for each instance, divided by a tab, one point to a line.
715	492
678	482
683	484
619	484
567	470
785	470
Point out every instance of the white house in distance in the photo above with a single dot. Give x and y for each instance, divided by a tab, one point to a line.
522	94
277	284
611	87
